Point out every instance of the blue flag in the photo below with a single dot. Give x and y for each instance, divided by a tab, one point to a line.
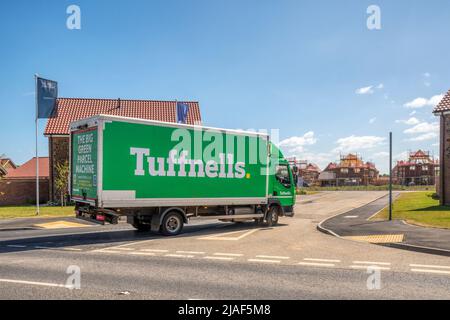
182	112
47	93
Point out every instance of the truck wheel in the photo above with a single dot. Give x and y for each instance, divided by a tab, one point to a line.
172	224
272	216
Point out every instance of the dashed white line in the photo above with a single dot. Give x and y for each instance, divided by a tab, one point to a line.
228	254
317	264
429	266
155	250
372	267
218	258
322	260
72	249
16	246
264	260
179	255
137	253
124	249
430	271
191	252
34	283
372	263
42	247
272	257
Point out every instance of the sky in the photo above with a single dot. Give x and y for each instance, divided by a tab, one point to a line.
312	69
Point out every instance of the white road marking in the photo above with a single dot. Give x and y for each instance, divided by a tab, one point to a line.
228	254
42	247
155	250
71	249
179	256
224	236
322	260
218	258
429	266
350	217
273	257
124	249
16	246
430	271
316	264
371	267
191	252
137	253
34	283
107	251
372	263
264	261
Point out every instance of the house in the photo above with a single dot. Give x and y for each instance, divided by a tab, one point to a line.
68	110
442	111
420	169
6	165
306	173
18	187
350	171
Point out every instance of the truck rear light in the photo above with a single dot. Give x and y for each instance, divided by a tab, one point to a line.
100	218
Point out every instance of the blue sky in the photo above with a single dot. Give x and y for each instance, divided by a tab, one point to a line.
309	68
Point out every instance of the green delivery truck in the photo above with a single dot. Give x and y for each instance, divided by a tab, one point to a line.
160	175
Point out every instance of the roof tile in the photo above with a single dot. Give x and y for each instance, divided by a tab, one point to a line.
73	109
444	105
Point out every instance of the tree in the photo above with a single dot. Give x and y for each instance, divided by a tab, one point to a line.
62	180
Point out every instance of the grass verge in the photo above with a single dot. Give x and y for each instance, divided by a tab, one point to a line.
10	212
419	208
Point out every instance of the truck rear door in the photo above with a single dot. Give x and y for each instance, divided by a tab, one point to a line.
83	165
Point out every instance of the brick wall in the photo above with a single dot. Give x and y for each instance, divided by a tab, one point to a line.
444	188
59	152
23	191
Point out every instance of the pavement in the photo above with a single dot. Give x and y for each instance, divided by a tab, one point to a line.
355	225
220	261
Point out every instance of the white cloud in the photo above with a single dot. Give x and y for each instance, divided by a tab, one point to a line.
381	155
423	102
423	127
365	90
424	137
355	143
427	74
372	121
293	146
411	121
369	89
413	113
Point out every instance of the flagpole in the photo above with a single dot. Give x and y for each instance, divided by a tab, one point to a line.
37	158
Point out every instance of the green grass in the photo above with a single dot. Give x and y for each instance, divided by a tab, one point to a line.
419	208
9	212
373	188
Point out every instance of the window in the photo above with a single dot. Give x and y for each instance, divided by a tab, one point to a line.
282	174
344	170
412	168
357	170
425	168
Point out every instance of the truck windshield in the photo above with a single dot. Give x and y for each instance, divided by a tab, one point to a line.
282	174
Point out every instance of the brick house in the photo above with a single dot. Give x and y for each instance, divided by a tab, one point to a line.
18	187
6	165
350	171
442	110
71	109
420	169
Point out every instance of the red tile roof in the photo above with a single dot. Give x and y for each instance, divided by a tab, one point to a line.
72	109
444	105
28	169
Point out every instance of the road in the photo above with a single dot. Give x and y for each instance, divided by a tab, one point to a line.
220	261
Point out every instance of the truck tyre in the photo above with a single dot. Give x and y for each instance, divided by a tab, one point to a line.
272	216
141	227
172	224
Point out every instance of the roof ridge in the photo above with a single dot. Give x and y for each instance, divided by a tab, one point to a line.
116	99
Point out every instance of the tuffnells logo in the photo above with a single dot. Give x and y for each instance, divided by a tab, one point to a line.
165	167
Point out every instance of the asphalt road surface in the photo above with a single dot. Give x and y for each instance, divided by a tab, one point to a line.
219	261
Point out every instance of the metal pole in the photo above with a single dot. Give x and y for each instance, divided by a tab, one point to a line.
390	176
37	157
